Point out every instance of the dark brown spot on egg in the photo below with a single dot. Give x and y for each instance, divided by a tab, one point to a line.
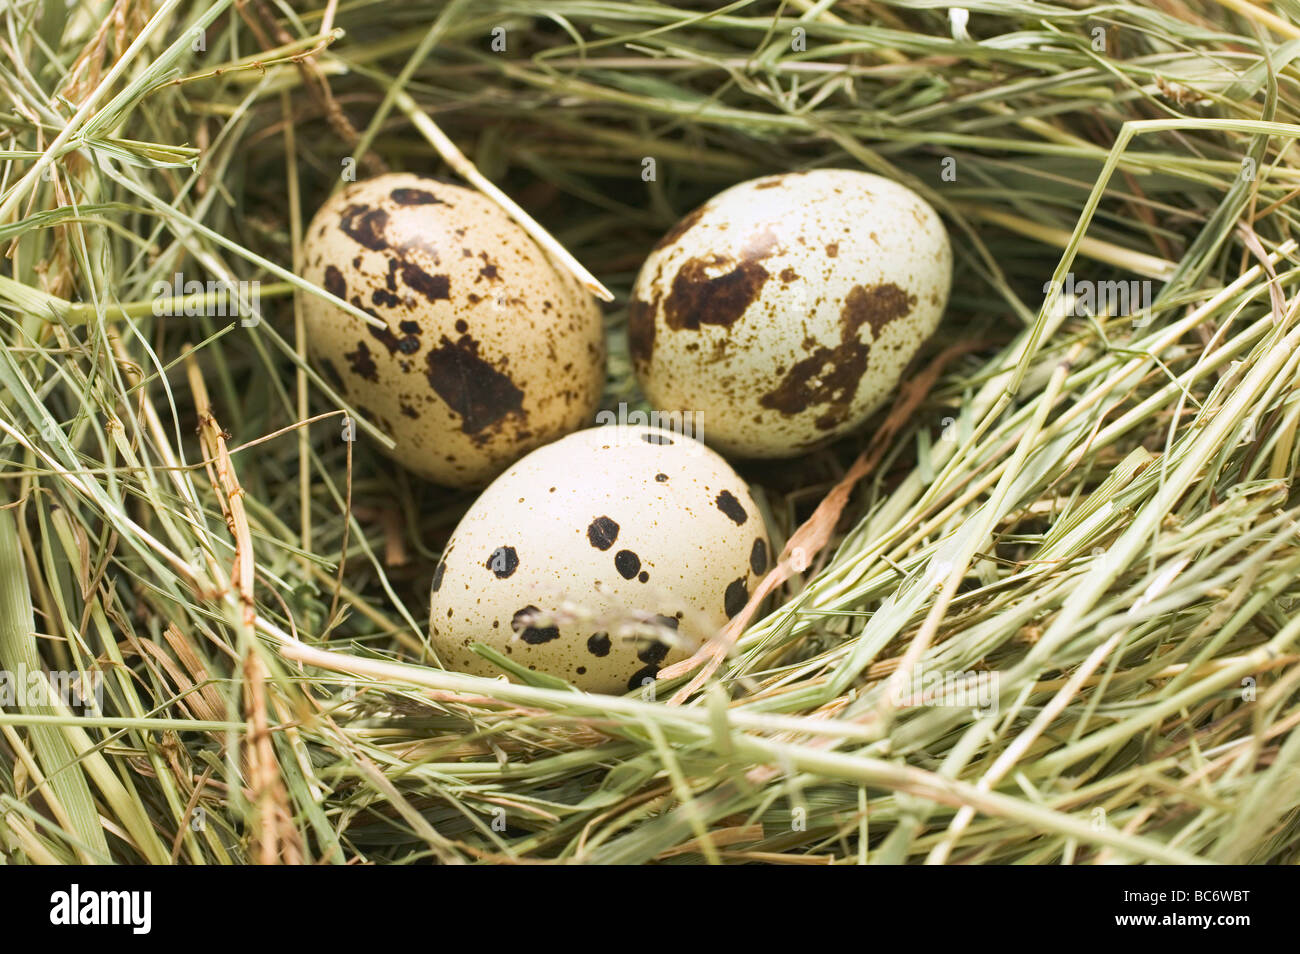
533	635
407	344
383	297
876	306
602	532
415	197
833	249
643	676
828	376
365	226
439	570
432	287
643	577
735	598
697	298
334	283
598	644
788	274
408	411
770	183
641	330
729	505
503	562
661	477
627	563
362	363
831	376
653	652
758	556
481	394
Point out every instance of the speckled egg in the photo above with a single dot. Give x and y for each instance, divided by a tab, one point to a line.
487	350
599	559
785	308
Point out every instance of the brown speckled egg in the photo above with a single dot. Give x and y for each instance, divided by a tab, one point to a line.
487	350
599	559
785	308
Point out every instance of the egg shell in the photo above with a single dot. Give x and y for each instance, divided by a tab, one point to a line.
785	308
578	558
488	349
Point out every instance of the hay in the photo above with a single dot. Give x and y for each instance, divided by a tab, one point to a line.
1079	529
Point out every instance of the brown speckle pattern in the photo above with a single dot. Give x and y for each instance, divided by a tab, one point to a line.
464	380
580	561
482	395
785	308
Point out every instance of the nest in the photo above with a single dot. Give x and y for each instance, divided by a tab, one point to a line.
1039	610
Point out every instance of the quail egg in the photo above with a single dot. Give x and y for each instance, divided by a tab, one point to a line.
786	308
486	349
599	558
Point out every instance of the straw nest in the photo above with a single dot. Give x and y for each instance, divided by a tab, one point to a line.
1039	610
